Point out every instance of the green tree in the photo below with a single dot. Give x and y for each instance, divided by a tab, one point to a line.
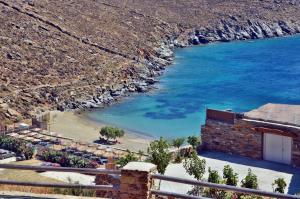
194	141
250	181
195	166
280	185
141	154
229	176
178	142
111	132
129	157
159	154
213	176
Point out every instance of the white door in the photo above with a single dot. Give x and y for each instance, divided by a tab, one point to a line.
277	148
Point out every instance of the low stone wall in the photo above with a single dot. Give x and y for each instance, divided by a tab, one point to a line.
241	138
238	138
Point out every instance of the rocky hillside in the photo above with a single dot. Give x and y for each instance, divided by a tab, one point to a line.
65	54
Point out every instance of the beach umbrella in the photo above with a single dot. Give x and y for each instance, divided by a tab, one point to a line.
39	136
13	134
53	133
28	138
24	132
46	138
99	153
44	132
36	129
36	140
32	134
21	136
81	148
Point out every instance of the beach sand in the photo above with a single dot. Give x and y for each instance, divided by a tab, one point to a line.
75	125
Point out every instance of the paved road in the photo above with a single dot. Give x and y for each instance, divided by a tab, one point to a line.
267	172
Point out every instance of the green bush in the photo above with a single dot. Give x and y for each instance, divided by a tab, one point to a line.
229	176
159	154
195	166
16	145
250	181
194	141
111	132
280	185
66	160
130	157
213	176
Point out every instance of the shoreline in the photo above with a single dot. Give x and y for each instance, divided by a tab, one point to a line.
132	140
75	125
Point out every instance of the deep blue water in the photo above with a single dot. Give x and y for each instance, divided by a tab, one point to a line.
239	75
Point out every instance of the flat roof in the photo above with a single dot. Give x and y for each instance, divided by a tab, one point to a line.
281	113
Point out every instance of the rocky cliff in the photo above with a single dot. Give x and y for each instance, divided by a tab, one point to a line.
64	54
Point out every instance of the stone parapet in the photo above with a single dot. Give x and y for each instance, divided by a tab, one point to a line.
136	181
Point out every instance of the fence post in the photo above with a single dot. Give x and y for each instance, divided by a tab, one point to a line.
108	179
136	181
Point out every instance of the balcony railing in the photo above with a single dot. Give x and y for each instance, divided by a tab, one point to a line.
123	189
59	169
215	186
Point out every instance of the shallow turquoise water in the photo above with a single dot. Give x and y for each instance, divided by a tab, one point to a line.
238	75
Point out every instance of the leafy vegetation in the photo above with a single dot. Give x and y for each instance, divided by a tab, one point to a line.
280	185
250	180
195	166
229	176
16	145
66	160
111	132
194	141
178	142
130	157
159	154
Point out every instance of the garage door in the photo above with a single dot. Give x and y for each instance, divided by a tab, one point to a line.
277	148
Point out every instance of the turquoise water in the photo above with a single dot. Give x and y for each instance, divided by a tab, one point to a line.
239	75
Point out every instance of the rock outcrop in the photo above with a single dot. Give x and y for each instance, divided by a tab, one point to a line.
87	54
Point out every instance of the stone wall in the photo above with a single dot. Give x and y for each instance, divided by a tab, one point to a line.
242	139
238	138
136	181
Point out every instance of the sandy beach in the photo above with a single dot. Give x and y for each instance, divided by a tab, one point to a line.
75	125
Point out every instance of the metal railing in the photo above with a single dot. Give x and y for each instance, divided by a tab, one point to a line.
59	169
215	186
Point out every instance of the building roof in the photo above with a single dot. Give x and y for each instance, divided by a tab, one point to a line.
281	113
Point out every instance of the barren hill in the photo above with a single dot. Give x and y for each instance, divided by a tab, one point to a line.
70	54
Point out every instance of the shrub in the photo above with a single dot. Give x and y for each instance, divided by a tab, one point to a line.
250	181
195	166
194	141
18	146
66	160
111	132
213	176
280	185
130	157
229	176
159	154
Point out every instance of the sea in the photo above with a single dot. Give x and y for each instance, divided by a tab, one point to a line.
238	76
